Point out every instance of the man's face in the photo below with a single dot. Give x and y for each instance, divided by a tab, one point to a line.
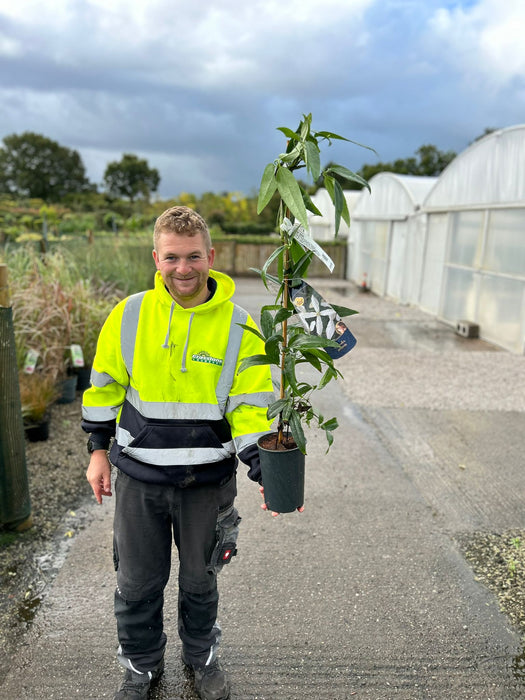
184	266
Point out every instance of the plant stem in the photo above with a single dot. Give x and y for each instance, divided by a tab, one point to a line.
286	283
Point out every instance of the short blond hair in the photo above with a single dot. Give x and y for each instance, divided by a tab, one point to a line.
182	221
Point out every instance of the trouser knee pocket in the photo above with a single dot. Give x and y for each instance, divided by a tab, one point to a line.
226	533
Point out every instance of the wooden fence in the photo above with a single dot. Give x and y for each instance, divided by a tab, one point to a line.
236	258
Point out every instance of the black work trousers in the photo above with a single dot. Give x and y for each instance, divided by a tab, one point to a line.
203	522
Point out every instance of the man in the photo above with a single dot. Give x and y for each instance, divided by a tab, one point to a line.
165	386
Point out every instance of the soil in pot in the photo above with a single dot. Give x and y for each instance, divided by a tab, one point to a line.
270	442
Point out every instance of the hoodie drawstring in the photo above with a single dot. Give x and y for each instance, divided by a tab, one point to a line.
166	343
183	365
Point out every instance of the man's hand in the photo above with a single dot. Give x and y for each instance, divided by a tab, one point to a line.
265	507
99	474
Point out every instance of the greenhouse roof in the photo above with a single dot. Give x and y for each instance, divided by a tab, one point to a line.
393	196
488	172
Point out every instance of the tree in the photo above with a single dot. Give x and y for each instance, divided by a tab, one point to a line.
131	177
32	165
488	130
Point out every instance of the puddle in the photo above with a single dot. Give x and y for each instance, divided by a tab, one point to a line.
27	609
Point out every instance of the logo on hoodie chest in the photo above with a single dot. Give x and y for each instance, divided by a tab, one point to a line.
205	357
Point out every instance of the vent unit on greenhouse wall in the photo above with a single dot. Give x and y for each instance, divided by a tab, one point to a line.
467	329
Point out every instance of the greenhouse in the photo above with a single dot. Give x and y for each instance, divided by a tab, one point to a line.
322	228
453	245
387	235
474	262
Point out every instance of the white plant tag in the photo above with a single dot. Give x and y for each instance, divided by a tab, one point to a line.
302	237
77	356
30	361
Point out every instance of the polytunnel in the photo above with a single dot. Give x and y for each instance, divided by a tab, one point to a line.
322	228
387	233
473	266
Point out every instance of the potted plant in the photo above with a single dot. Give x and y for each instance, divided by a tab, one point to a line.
289	344
38	391
90	309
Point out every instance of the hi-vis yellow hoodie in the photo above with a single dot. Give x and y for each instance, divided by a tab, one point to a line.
165	384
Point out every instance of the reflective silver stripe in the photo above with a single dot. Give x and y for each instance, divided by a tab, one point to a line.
261	399
246	440
101	379
99	414
173	457
173	409
224	385
128	328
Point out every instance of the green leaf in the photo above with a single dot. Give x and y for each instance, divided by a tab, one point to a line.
282	315
255	331
289	371
330	424
297	431
347	175
343	311
321	354
327	377
291	194
303	388
300	268
312	359
313	159
289	133
267	187
253	361
305	126
265	277
278	407
276	253
329	184
329	136
272	349
266	323
312	341
341	207
308	203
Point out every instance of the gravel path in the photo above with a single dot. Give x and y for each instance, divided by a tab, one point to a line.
59	495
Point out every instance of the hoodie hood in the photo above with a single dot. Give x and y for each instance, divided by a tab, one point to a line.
224	292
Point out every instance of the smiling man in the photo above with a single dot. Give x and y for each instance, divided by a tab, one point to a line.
166	388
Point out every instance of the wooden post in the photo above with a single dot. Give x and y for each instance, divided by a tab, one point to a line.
15	502
4	287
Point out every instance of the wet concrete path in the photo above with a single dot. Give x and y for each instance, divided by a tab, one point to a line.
365	594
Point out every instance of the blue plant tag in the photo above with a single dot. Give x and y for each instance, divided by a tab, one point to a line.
319	318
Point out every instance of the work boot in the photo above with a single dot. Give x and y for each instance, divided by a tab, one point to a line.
211	682
135	686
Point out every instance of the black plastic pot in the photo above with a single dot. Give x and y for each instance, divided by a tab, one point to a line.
36	432
68	389
83	378
283	478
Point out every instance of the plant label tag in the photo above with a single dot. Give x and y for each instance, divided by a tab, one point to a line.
297	232
77	356
319	318
30	361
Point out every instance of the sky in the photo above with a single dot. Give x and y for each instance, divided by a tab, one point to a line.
199	88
